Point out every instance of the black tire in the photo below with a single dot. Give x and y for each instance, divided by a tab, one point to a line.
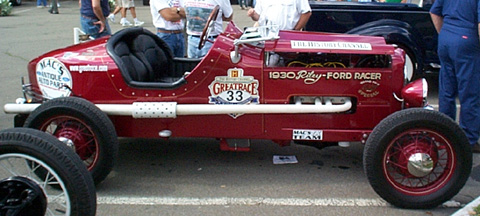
22	146
16	2
397	139
88	130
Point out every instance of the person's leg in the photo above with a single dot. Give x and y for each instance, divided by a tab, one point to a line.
447	83
124	20
240	3
206	48
88	27
467	65
136	22
192	49
54	7
169	40
179	48
111	16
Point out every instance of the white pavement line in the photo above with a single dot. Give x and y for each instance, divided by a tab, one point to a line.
250	201
468	209
23	11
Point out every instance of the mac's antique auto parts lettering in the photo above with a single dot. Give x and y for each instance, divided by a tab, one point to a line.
311	77
52	77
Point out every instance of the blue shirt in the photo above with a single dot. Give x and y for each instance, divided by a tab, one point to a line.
87	10
458	13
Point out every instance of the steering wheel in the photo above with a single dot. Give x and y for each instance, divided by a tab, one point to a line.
208	27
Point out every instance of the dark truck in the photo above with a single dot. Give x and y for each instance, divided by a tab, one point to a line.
407	25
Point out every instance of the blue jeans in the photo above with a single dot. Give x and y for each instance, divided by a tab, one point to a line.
193	51
176	42
93	30
41	2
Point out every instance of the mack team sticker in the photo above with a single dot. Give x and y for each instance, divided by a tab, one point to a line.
307	134
336	45
53	78
234	89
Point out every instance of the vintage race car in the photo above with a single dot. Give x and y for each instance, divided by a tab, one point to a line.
306	87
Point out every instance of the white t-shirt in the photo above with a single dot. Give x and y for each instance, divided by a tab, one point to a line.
158	20
284	13
198	11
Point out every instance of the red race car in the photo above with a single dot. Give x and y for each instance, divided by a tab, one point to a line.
306	87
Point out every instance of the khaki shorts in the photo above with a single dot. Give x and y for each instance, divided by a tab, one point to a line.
127	3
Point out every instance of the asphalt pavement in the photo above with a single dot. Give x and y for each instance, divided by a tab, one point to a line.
192	176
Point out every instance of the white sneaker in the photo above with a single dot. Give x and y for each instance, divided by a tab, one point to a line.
126	23
111	17
139	23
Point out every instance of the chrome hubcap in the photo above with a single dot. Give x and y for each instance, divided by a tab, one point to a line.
420	164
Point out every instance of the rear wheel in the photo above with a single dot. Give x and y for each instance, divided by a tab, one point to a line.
417	158
66	188
83	127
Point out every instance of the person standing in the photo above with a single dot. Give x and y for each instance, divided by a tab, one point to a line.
287	14
457	22
130	5
197	13
92	17
167	17
243	4
118	8
54	7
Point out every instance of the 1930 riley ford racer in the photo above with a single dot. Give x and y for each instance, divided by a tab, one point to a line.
305	87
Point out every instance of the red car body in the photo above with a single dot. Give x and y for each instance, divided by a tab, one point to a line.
309	87
371	89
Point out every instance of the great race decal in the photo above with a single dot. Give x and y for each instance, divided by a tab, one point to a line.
53	78
234	89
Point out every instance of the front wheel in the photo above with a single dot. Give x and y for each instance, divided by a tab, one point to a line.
417	158
65	188
83	127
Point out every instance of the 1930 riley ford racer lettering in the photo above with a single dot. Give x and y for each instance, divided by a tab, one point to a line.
311	77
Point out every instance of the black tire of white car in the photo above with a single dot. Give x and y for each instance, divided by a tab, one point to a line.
84	127
75	191
16	2
417	158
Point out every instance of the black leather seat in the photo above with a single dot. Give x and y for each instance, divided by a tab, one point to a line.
144	60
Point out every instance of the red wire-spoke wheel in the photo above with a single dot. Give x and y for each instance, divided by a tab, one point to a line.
76	134
83	127
419	161
417	158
